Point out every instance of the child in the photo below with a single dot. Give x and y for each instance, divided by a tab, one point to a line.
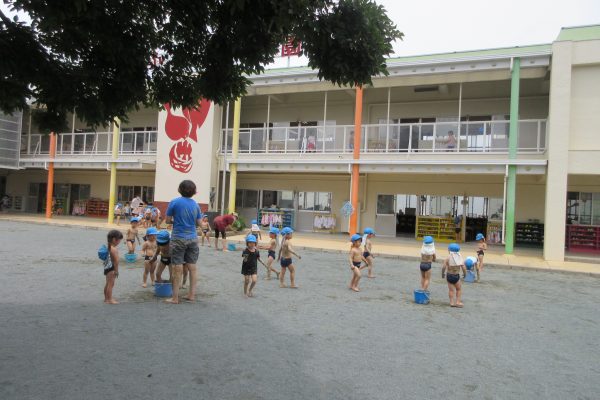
154	216
481	248
149	250
205	229
118	212
132	235
356	259
368	249
163	240
147	216
249	264
271	249
454	264
285	255
127	210
255	229
110	257
427	257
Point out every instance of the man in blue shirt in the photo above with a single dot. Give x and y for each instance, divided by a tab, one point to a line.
184	213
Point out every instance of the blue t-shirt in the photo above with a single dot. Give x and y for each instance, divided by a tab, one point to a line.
185	212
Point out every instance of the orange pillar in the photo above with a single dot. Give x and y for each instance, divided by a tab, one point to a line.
355	180
50	184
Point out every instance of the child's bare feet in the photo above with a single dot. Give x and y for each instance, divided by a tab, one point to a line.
189	300
355	289
372	276
294	287
250	294
144	285
113	301
282	285
277	273
171	301
460	305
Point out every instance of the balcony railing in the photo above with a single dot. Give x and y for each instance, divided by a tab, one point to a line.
90	143
439	137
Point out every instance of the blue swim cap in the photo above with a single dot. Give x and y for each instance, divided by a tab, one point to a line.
254	221
479	236
135	219
163	237
355	237
250	239
427	240
274	231
152	231
286	231
469	263
369	231
454	248
103	252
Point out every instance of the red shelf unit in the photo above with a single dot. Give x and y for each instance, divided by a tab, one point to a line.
583	238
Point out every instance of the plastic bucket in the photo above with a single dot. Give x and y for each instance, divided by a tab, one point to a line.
231	247
421	296
163	289
470	277
130	257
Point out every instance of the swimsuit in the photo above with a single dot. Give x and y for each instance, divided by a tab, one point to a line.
453	278
286	262
366	254
205	231
425	266
147	258
356	264
165	260
480	252
131	240
271	254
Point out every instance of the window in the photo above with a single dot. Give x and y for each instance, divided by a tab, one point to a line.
385	204
126	193
246	198
286	199
314	201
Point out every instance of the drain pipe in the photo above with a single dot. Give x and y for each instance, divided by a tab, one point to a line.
504	204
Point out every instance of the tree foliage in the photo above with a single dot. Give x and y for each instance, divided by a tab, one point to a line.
95	56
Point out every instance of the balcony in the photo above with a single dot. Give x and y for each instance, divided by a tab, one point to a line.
421	138
90	144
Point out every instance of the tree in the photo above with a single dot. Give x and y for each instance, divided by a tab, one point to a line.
94	57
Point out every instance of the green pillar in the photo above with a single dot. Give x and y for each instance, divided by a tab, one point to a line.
513	141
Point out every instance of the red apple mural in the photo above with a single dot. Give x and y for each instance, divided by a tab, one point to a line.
183	129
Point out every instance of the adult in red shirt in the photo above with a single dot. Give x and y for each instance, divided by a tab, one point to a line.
220	225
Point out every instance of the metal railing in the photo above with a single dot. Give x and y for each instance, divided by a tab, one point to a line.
91	143
439	137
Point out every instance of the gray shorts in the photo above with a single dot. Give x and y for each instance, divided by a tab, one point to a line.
184	251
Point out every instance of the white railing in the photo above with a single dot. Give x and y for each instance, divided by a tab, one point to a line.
91	143
439	137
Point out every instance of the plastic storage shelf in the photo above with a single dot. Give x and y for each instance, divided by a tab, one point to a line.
529	234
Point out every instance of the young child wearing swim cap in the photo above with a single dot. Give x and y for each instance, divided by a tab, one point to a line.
427	257
453	265
356	259
368	250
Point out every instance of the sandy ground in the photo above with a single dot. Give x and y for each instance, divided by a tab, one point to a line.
521	334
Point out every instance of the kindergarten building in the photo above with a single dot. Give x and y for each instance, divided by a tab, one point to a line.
501	141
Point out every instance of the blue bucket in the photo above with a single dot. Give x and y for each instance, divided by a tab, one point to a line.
130	257
231	247
163	289
421	296
471	276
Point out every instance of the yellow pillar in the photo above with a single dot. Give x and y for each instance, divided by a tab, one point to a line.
237	108
113	170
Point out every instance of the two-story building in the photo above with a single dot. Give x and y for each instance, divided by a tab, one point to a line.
450	145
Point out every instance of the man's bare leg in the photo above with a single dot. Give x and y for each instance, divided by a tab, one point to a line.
193	278
216	243
282	277
159	271
224	244
152	270
177	271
